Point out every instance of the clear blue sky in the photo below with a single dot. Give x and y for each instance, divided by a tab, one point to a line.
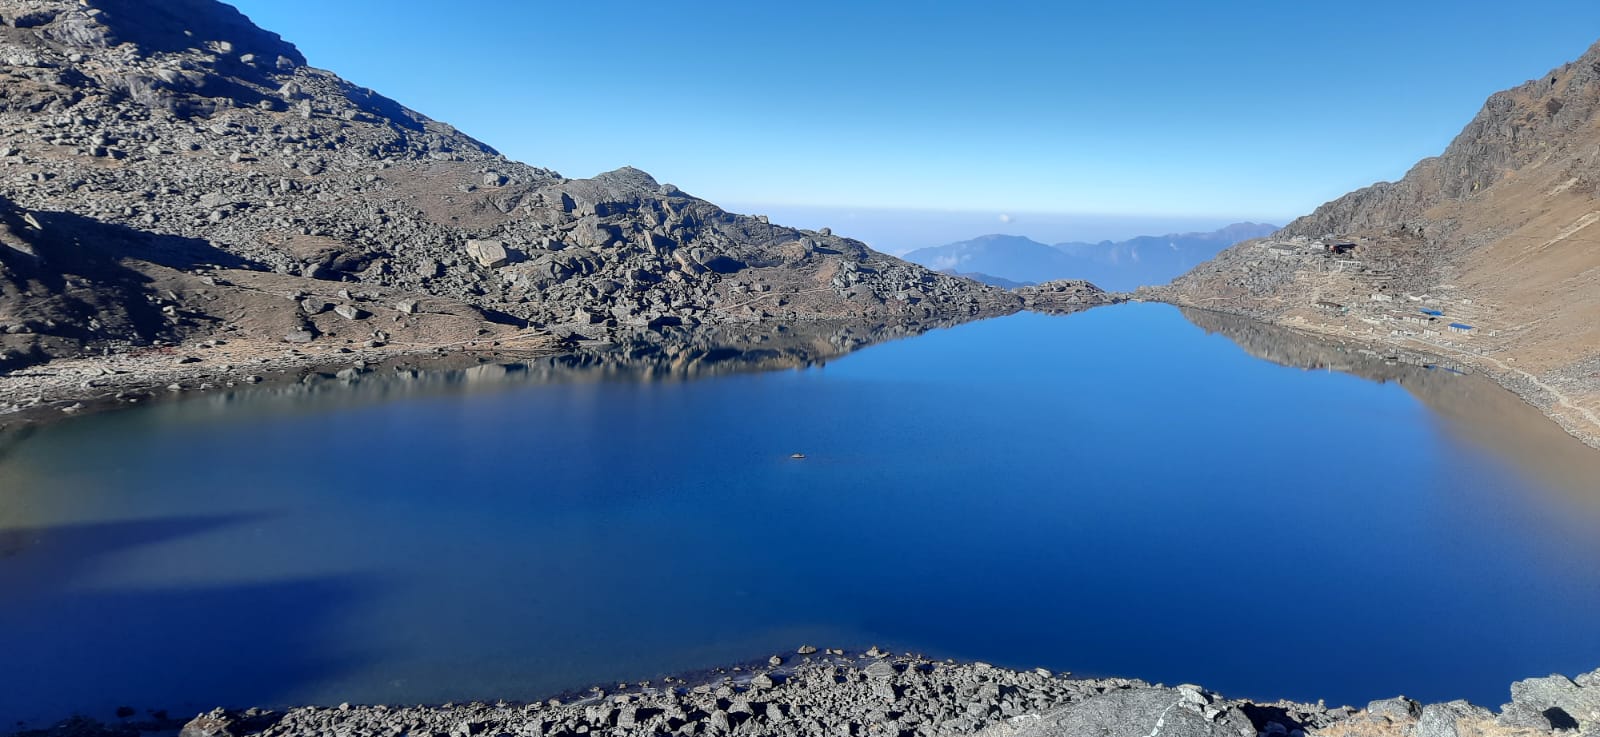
1211	110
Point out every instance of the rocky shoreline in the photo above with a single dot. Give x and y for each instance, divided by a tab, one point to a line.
831	692
73	387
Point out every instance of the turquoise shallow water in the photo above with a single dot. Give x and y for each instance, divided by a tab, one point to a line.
1114	492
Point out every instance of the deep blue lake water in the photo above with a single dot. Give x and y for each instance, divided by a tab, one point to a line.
1117	492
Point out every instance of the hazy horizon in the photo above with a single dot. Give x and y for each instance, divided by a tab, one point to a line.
897	231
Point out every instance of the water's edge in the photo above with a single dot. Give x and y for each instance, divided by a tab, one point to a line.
832	692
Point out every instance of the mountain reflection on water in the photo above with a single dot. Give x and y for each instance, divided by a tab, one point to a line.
674	355
1468	405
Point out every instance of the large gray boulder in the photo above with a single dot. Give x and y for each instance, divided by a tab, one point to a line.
1562	701
488	254
1138	712
1452	719
1397	709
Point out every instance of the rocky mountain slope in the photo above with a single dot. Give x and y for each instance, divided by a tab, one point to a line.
170	173
1117	265
1487	253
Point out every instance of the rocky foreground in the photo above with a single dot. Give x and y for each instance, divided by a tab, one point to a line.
831	693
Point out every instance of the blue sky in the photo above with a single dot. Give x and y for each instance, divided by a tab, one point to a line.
1167	111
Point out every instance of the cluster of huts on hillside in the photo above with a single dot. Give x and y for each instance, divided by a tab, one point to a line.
1340	255
1431	320
1335	255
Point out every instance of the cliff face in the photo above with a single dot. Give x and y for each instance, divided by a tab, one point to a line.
228	169
1495	239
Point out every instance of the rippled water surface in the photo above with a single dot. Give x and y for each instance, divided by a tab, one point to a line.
1115	492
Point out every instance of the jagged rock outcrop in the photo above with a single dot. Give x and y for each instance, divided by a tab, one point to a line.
1494	243
182	120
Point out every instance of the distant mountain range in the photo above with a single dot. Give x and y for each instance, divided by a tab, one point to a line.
1114	265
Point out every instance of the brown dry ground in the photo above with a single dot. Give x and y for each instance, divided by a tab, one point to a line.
1531	290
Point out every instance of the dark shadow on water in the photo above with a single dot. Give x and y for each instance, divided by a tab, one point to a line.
71	647
77	547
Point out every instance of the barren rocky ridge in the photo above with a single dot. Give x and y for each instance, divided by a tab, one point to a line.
173	173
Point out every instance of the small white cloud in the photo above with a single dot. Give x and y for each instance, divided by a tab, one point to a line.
1004	218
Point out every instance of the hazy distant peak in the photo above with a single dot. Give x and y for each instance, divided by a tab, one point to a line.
1114	264
1241	231
1004	237
1233	233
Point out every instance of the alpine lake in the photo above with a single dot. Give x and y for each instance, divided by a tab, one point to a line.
1135	491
